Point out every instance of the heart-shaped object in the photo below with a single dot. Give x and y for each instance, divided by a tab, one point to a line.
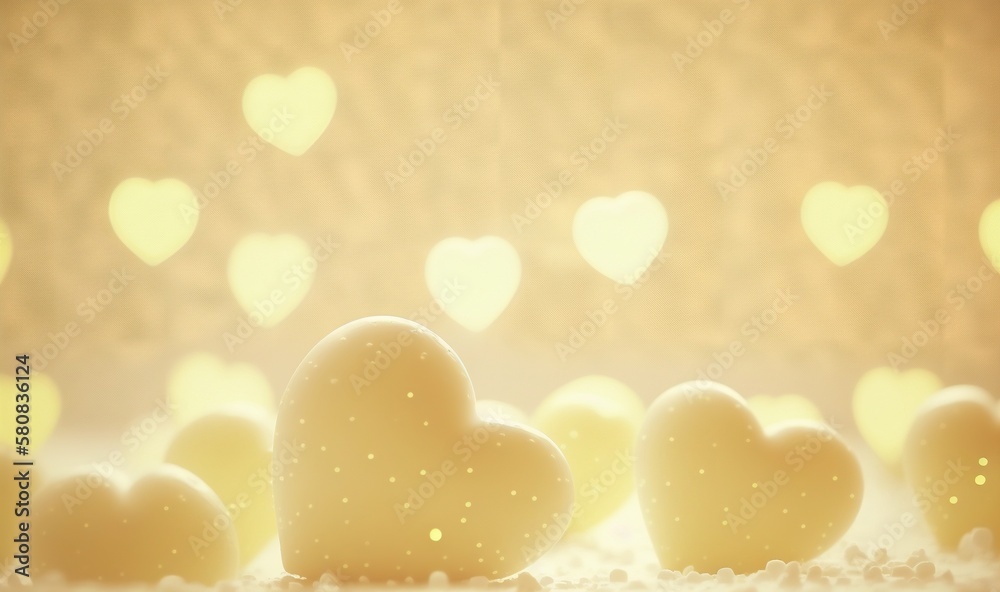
772	410
230	450
202	382
45	407
89	528
594	421
270	275
154	219
290	113
952	462
397	476
885	403
844	222
6	249
473	281
989	233
717	490
620	237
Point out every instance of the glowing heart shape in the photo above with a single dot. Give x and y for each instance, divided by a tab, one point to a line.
473	281
154	219
230	450
594	421
952	462
620	237
989	234
202	382
290	113
717	490
6	249
772	410
91	529
844	222
397	475
269	276
46	406
885	403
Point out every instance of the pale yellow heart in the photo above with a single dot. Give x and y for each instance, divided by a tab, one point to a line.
270	275
620	237
885	402
844	222
290	113
718	490
202	382
952	462
989	233
154	219
45	403
473	281
6	249
772	410
397	476
230	450
594	421
89	528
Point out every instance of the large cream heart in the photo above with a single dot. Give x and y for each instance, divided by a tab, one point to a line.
230	449
717	490
202	382
885	403
620	237
473	281
290	113
844	222
45	408
169	522
154	219
6	249
952	462
772	410
397	475
594	421
269	275
989	233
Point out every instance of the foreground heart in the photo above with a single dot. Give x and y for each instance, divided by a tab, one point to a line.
270	276
989	234
230	450
290	113
202	382
885	403
6	249
153	219
397	475
473	281
89	528
717	490
46	407
844	222
952	462
620	237
594	421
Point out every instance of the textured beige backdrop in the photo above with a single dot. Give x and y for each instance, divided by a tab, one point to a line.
557	86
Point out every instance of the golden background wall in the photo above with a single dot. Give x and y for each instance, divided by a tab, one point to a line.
554	85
